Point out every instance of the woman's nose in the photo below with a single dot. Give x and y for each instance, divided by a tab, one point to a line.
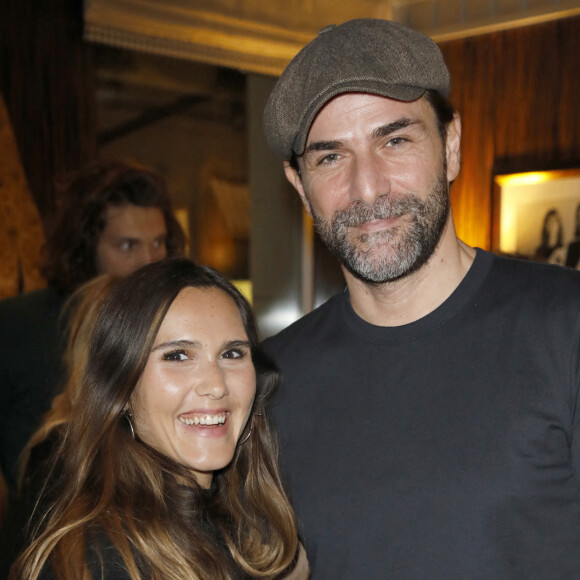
211	381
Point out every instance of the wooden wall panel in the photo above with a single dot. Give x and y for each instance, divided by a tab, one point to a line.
21	233
471	60
46	79
518	93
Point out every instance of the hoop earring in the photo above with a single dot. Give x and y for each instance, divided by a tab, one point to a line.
245	438
249	432
127	415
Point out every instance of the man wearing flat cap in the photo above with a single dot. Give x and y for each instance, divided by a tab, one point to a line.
430	416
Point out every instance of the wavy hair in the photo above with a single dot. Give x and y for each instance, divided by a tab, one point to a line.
80	311
109	482
70	251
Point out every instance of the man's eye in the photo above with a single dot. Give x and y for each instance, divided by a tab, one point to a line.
329	159
159	243
175	355
127	245
396	141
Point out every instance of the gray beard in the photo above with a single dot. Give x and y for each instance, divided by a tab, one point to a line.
391	254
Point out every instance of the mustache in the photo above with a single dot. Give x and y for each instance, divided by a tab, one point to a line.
384	207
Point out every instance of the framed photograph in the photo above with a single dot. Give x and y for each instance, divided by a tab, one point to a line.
536	215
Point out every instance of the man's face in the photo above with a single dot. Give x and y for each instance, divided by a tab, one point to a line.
133	236
374	176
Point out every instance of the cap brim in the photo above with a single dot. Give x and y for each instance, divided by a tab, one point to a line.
398	92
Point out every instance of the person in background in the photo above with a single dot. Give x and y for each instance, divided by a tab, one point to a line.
163	464
551	248
430	415
113	218
80	311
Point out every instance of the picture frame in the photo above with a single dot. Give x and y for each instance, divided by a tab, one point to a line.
536	216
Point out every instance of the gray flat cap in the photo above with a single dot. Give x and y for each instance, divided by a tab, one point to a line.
365	55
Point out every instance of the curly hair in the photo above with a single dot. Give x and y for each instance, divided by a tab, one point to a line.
70	251
108	481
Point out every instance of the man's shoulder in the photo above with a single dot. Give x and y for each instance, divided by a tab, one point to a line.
546	297
32	317
314	322
532	277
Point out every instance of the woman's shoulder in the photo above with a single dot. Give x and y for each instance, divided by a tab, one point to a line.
103	560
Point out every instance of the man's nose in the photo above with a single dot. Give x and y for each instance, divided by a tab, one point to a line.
369	178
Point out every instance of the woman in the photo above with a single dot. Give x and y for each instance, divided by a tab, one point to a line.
166	467
551	248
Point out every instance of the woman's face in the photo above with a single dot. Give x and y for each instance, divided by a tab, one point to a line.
196	393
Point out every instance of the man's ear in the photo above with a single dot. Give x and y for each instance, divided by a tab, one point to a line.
453	147
293	176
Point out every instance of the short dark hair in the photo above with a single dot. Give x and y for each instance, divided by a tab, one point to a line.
70	251
444	110
444	113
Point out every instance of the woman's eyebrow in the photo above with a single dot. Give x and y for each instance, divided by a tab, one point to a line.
180	343
236	344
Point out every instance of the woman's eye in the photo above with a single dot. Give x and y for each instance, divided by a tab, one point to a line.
233	353
175	355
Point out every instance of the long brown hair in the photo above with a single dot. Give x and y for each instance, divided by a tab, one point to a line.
79	311
108	482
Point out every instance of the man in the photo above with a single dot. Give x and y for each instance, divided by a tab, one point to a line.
428	417
113	219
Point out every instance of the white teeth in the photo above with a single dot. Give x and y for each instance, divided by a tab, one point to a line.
204	420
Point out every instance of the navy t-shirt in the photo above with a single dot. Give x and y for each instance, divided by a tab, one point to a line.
445	448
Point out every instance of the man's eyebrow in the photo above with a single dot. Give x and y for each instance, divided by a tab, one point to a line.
321	146
382	131
397	125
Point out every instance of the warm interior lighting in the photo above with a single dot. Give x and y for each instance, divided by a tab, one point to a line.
530	178
526	198
245	287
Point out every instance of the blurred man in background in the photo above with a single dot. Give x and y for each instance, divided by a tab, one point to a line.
112	218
